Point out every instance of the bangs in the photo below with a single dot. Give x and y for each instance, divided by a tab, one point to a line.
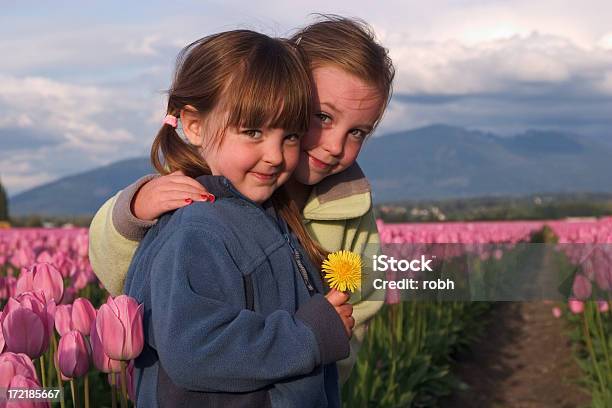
270	89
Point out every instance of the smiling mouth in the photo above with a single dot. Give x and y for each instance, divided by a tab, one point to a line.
265	176
318	163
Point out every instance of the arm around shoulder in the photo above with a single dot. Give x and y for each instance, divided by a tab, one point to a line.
114	234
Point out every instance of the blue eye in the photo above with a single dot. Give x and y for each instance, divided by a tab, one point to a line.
323	117
358	134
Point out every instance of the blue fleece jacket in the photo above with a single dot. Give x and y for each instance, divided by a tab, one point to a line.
207	342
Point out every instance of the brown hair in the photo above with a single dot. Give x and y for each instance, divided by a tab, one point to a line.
349	44
256	81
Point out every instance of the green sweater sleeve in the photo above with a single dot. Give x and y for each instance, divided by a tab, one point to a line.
114	235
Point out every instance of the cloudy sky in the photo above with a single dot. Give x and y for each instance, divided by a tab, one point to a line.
82	85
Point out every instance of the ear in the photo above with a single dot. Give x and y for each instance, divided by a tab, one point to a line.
193	125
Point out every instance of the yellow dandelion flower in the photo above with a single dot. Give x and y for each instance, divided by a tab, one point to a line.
343	270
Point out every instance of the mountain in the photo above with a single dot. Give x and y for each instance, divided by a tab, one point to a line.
432	162
80	194
442	161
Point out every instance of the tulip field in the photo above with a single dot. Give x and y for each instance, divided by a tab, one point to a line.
60	329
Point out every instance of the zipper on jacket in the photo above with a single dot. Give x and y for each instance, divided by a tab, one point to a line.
296	254
298	260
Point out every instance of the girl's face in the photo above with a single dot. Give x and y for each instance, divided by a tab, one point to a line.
256	161
345	110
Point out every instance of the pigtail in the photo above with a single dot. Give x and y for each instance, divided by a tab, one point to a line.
170	153
289	211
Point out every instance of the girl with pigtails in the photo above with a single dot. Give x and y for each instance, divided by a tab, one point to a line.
325	203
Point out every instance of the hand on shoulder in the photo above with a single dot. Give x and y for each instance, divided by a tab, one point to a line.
167	193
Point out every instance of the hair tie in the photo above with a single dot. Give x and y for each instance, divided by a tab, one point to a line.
297	42
171	120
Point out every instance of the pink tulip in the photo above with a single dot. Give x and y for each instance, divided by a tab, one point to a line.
63	263
25	282
83	313
576	306
556	311
20	381
79	280
2	342
24	332
23	257
42	276
82	245
63	319
581	287
498	254
73	354
603	277
603	306
12	364
48	279
392	296
100	359
44	257
56	361
120	327
27	324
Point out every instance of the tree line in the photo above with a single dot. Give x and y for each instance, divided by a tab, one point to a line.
4	215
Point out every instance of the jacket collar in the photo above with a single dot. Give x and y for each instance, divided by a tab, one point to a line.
221	187
341	196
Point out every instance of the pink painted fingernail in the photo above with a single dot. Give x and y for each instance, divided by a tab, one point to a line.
188	200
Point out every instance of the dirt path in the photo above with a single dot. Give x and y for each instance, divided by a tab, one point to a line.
523	361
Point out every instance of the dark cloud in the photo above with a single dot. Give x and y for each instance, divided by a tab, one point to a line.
509	112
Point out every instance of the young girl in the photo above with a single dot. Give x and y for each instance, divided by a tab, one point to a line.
234	310
352	76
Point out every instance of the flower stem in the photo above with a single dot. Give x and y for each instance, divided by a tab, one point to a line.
602	337
57	371
113	391
43	376
123	385
50	370
592	351
86	389
75	393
